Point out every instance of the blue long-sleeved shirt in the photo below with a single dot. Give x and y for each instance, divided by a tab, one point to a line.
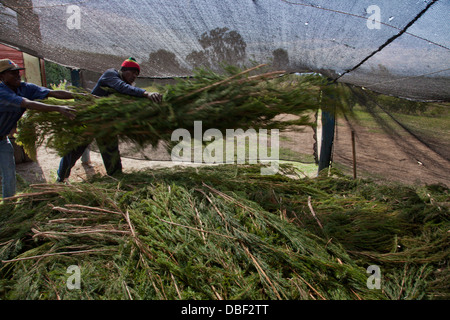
10	101
111	79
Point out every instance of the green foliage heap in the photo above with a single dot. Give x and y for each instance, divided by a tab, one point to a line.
225	232
234	99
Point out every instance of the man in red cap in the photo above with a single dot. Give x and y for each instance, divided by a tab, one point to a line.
121	81
15	97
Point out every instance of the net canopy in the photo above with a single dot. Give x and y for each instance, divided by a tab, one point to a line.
400	48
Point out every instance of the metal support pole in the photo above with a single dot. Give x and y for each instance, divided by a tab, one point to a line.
328	123
76	81
75	77
86	156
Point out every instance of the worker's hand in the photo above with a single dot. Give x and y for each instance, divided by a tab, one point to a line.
154	96
67	111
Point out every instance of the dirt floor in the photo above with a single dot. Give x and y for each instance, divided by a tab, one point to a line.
44	169
400	157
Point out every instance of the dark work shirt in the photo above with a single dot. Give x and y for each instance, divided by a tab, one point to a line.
111	79
10	101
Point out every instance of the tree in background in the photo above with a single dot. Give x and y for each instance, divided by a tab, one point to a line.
220	46
56	74
164	62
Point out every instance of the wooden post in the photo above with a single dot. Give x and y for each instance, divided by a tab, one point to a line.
354	154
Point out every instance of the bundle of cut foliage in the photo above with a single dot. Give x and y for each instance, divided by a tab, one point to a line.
233	99
225	232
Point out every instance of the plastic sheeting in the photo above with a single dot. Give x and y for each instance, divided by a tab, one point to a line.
394	47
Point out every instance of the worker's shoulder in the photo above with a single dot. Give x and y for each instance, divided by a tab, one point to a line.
24	89
4	87
110	73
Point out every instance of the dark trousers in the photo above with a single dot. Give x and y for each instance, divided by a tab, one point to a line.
109	150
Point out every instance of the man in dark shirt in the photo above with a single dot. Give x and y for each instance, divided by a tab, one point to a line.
122	82
15	97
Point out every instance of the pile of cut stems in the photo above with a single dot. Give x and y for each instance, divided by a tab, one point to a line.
225	232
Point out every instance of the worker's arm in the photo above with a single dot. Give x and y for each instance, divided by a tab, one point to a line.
39	106
111	79
60	94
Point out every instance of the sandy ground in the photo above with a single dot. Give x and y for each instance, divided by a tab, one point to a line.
44	169
400	157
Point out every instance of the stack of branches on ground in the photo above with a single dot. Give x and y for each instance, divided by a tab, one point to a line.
225	232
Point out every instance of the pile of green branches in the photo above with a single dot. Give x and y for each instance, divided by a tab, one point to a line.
225	232
236	98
